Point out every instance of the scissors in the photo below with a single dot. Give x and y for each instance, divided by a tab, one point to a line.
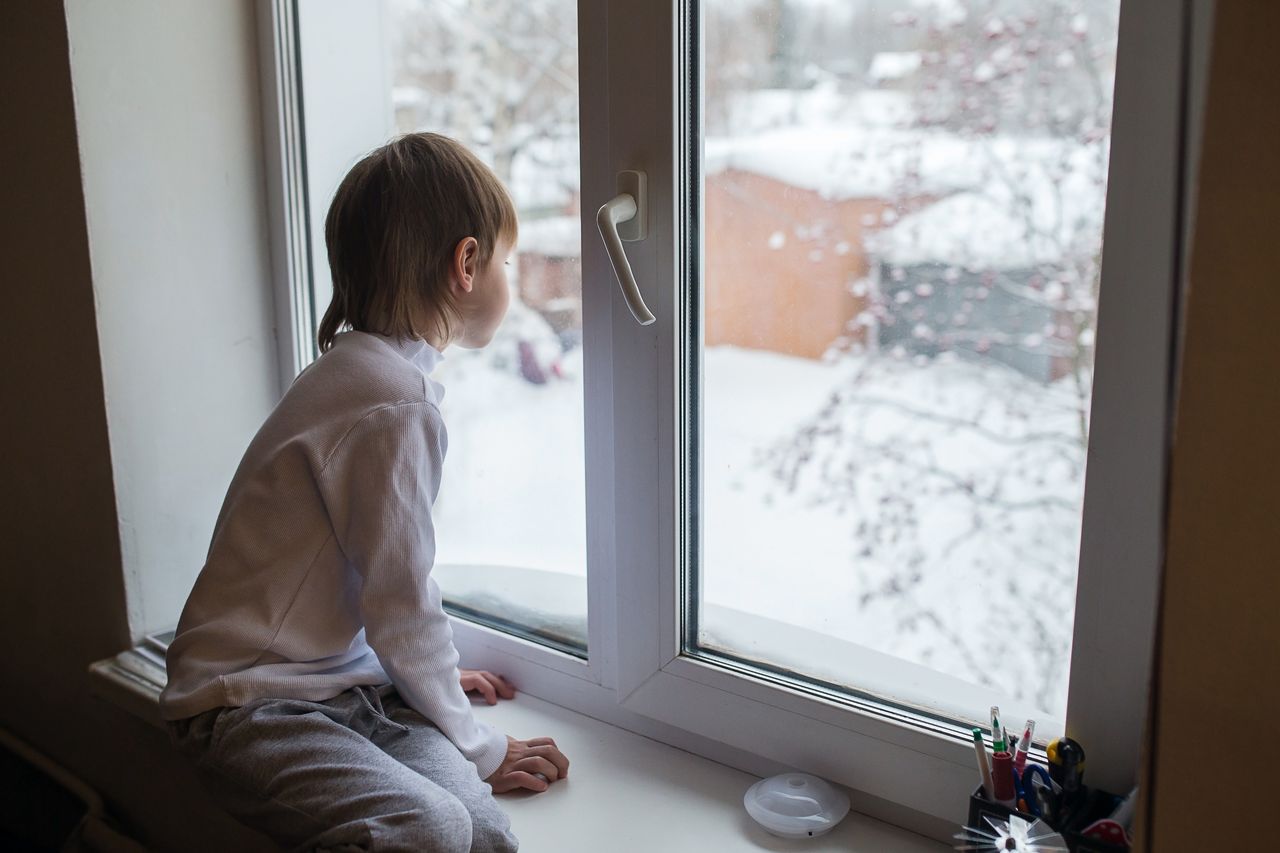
1034	779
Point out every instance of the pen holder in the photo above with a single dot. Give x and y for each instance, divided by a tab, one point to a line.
980	807
1094	804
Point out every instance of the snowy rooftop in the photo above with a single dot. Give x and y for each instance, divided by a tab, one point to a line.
849	161
1035	212
860	146
845	146
1007	201
817	139
869	155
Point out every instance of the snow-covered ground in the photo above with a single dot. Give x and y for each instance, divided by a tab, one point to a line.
927	510
513	486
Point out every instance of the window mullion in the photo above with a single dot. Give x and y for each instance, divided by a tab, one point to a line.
641	137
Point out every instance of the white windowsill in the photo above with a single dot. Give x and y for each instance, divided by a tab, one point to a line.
624	793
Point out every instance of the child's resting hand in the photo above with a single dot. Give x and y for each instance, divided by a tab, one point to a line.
487	684
525	758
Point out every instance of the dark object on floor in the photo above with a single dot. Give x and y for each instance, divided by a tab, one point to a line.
44	807
36	813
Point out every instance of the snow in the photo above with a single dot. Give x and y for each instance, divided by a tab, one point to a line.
836	661
552	236
513	486
943	12
842	145
764	109
975	605
407	96
544	171
893	65
845	161
993	182
980	232
547	602
830	552
1007	201
1046	207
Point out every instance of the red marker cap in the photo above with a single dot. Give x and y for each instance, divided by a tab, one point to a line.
1002	779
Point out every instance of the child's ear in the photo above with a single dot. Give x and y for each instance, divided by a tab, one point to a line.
466	257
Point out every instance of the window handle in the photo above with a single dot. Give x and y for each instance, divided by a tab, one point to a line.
623	217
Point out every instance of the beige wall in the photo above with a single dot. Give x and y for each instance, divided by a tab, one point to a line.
1213	739
62	601
96	262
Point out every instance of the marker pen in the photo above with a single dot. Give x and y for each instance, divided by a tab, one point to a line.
1024	745
997	731
984	767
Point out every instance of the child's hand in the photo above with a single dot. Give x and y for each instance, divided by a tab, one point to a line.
532	764
487	684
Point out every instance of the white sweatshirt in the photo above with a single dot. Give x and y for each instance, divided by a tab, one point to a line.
318	575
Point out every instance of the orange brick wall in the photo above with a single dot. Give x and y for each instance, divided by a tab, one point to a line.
792	299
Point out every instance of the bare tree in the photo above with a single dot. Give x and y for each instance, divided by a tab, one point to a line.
500	75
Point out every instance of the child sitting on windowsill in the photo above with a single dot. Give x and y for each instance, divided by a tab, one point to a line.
313	679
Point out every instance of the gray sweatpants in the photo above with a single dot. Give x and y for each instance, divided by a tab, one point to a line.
360	771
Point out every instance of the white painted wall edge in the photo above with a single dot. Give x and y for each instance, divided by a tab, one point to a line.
171	150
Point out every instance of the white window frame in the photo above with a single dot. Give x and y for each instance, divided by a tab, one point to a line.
634	675
287	204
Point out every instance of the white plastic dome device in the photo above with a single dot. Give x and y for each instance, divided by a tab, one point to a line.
796	805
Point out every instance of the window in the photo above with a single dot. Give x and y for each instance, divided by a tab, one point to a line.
828	507
902	208
501	77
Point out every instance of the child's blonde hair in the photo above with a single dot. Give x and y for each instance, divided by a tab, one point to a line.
391	232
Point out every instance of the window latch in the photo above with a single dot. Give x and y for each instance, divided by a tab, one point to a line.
624	217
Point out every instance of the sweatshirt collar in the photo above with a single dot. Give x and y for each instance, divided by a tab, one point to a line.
422	354
417	352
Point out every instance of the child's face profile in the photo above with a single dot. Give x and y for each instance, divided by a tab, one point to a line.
481	292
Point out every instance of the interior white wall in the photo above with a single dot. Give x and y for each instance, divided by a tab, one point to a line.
170	140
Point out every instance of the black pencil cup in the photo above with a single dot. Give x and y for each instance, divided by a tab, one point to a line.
1094	805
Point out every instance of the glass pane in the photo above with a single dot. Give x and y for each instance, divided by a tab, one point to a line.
501	76
903	205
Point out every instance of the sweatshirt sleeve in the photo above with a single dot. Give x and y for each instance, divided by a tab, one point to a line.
380	484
